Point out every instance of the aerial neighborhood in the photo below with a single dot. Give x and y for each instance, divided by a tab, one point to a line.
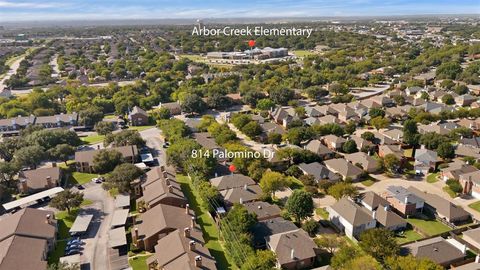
143	147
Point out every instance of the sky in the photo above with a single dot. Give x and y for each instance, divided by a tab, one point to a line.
47	10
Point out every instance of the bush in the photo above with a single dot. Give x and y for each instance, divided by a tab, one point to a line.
310	226
454	185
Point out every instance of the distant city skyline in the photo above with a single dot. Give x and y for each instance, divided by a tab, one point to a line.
47	10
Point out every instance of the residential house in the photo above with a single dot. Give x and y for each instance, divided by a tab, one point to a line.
26	238
441	207
472	237
265	228
403	201
471	142
158	189
362	143
237	188
84	159
465	100
263	210
294	249
344	168
333	142
321	150
158	222
33	181
208	142
319	172
13	125
471	183
393	134
173	107
372	200
437	249
425	160
182	249
283	116
396	150
328	119
58	120
138	117
455	169
364	161
270	127
467	151
388	219
350	218
413	90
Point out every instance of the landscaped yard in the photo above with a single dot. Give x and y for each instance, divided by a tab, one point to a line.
408	236
430	227
139	262
322	213
140	128
79	178
432	178
91	139
210	232
368	182
475	206
450	192
303	53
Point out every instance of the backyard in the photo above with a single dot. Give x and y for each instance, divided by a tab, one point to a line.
475	206
429	227
432	178
408	236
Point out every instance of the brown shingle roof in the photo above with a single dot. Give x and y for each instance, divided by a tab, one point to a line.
87	156
298	240
162	217
231	181
20	253
37	179
436	249
351	212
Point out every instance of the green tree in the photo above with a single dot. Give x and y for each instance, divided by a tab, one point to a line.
432	140
252	129
342	189
350	146
274	138
300	205
448	70
380	122
265	104
369	136
281	95
161	114
66	200
364	262
193	104
261	260
106	160
272	182
122	176
29	156
62	152
410	132
343	255
329	242
376	112
379	243
104	128
8	173
461	89
391	163
124	138
310	226
448	99
90	116
411	263
446	150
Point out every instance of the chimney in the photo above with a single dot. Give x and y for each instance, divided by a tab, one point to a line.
245	187
98	146
170	188
386	207
49	181
192	245
54	164
186	232
259	206
241	201
193	222
477	259
374	214
135	236
134	219
406	199
464	249
165	175
292	254
23	182
216	175
47	219
167	181
198	261
187	208
162	168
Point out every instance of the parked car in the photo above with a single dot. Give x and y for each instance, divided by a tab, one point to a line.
72	252
98	180
73	246
80	187
75	240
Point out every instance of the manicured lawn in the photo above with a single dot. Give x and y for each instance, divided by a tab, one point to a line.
303	53
82	178
368	182
93	139
140	128
430	227
408	236
210	232
322	213
432	178
139	262
193	57
64	223
408	152
450	192
475	206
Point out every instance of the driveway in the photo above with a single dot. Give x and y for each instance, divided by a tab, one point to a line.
153	138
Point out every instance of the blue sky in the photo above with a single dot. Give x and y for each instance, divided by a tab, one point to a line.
24	10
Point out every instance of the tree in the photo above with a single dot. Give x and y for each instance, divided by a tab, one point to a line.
274	138
193	104
252	129
49	138
310	226
63	266
365	262
9	145
106	160
125	138
66	200
121	177
173	129
461	89
8	173
369	136
411	263
29	156
62	152
90	116
265	104
454	185
329	242
350	127
432	140
379	243
448	99
410	132
343	255
446	150
337	89
380	122
391	163
447	84
376	112
448	70
350	146
104	128
342	189
300	204
281	95
161	114
272	182
239	120
261	260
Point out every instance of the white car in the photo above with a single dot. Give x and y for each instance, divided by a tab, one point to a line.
97	180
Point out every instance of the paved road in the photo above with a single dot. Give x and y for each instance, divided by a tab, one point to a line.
154	141
13	69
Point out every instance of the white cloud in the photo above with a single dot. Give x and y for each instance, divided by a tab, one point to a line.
10	4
